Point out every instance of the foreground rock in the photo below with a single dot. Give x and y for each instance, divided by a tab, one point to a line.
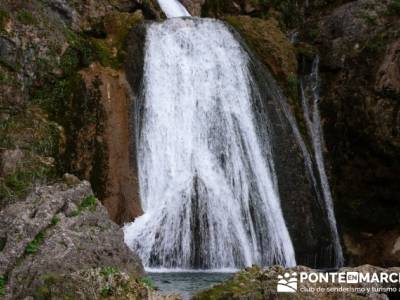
60	243
256	283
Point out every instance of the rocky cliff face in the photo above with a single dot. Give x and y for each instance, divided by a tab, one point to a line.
360	107
63	98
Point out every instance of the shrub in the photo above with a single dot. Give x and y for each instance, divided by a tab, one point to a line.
394	8
108	271
2	285
148	282
25	17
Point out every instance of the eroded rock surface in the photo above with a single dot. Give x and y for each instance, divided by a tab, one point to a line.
59	230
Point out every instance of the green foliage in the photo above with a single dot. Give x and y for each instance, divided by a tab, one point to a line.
376	44
3	19
2	243
394	8
148	282
293	83
89	203
25	17
33	246
18	184
370	20
3	281
105	292
312	34
43	292
80	53
39	141
108	271
55	221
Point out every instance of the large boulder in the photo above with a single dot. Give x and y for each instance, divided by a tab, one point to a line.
59	230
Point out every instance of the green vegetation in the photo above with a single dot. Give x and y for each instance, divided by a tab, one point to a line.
89	203
3	20
247	284
108	271
25	17
148	282
44	291
18	184
292	83
33	246
394	8
55	221
105	292
376	44
3	282
38	141
370	20
2	243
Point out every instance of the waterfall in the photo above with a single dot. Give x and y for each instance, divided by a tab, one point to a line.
207	177
226	178
173	8
310	104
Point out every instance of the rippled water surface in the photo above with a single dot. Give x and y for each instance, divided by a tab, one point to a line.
186	283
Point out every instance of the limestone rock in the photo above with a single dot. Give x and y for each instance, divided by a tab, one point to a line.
40	239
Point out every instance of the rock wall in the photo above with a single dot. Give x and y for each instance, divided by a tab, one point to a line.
120	187
60	66
59	230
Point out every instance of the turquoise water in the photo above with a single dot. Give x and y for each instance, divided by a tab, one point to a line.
186	283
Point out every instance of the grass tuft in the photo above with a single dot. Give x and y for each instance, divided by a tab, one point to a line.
33	246
25	17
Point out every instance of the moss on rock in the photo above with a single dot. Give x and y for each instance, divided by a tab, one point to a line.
38	142
269	43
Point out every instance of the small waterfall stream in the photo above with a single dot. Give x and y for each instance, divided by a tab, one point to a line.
310	98
224	173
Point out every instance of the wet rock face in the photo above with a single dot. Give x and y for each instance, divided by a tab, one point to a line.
388	76
120	185
359	46
381	248
8	55
59	229
193	6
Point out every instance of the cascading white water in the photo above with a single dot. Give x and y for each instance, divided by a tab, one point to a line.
207	179
173	8
310	104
